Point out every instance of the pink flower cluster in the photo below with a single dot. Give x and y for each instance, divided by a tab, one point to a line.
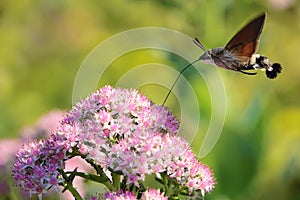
157	153
35	169
111	127
189	172
150	194
119	196
121	131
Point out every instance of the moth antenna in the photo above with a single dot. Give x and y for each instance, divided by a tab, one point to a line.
198	43
190	64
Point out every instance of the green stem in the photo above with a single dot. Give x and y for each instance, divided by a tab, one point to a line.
69	186
98	168
74	192
171	187
116	181
165	181
99	179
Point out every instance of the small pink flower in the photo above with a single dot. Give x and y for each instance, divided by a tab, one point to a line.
153	194
119	196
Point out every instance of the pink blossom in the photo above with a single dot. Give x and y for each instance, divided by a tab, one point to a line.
99	123
153	194
35	169
188	171
122	132
119	196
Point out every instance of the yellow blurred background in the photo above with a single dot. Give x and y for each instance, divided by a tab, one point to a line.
43	44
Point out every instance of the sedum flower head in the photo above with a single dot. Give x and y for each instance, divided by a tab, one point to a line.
121	131
189	172
35	168
112	120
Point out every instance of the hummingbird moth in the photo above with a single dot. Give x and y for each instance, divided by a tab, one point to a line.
239	54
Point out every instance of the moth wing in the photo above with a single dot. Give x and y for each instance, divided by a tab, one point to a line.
245	42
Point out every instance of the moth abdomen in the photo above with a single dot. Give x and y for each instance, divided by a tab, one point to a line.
276	69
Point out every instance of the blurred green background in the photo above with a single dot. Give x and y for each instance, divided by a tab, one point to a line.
43	43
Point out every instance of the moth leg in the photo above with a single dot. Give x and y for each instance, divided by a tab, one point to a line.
255	66
248	73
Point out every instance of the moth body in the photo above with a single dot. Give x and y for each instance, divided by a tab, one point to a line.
239	54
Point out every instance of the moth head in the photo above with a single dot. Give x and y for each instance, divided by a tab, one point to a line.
207	58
